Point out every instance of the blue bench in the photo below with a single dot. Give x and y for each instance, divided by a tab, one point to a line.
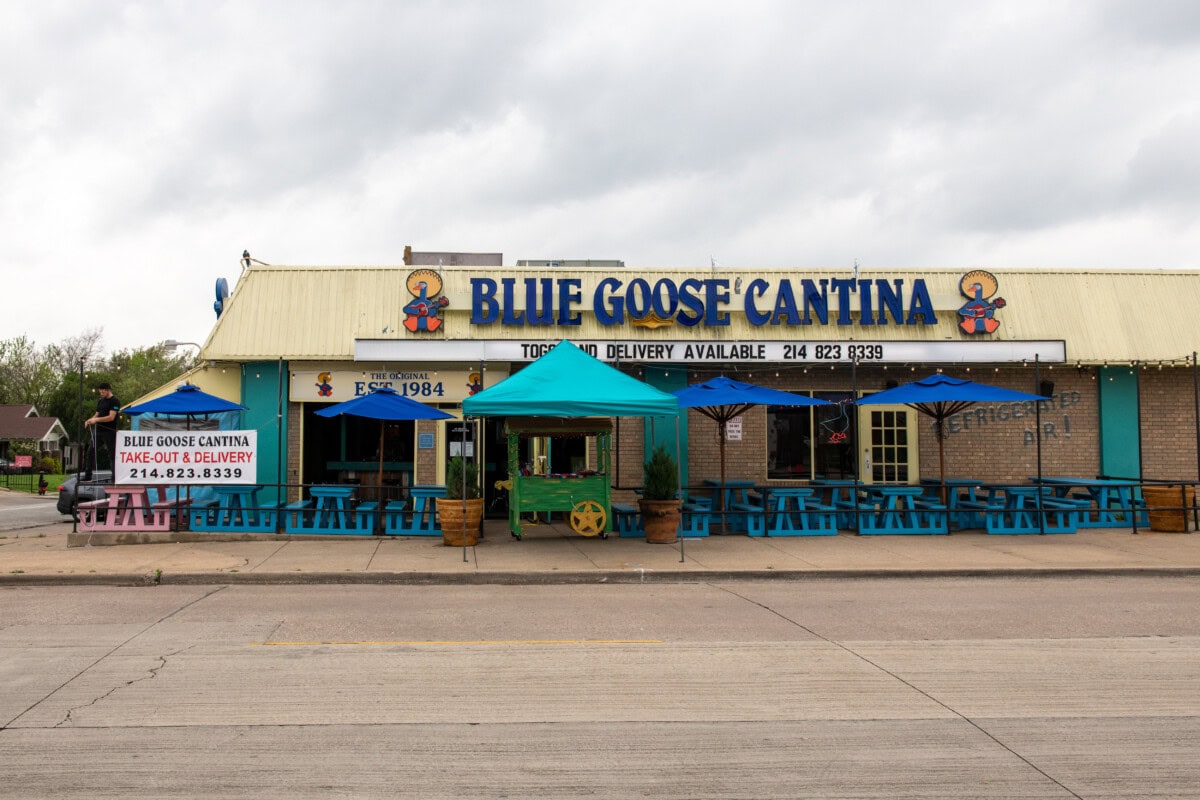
627	520
931	515
364	517
972	513
421	520
695	520
208	516
926	517
303	516
1061	516
814	519
750	516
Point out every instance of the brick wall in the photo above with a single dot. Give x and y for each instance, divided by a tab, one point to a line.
293	448
1168	423
425	463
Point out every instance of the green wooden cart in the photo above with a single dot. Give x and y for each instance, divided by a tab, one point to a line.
585	497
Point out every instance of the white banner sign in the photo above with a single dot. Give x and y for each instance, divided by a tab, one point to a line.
798	351
733	430
424	386
195	457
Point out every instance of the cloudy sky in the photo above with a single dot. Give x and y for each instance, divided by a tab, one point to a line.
144	145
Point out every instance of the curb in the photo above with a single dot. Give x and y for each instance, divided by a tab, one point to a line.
623	577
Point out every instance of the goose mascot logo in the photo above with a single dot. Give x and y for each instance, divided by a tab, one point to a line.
421	314
979	312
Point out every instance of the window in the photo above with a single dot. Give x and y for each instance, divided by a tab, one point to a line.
889	446
805	442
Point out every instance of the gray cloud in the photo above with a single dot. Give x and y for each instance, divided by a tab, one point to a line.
760	134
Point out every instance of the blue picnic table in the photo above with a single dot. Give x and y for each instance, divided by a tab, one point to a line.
798	511
841	494
735	497
899	509
235	508
964	502
1115	502
330	510
419	519
1029	510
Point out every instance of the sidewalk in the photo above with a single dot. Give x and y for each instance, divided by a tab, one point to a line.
552	553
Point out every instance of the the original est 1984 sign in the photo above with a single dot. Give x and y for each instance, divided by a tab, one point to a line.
422	385
195	457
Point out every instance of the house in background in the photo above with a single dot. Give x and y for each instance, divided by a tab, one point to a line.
21	421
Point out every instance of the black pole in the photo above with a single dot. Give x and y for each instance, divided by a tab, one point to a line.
80	456
280	491
679	480
854	402
1196	405
1037	384
1141	460
462	453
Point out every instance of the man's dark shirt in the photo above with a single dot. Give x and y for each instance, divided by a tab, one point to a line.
103	407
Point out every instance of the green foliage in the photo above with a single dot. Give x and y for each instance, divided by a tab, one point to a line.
48	378
26	375
132	373
662	476
458	472
22	447
51	466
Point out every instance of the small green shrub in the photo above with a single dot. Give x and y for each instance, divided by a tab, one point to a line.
458	472
662	476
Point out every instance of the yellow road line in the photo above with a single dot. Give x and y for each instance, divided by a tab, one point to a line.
466	642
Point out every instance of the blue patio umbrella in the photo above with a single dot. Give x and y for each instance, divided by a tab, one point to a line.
386	405
186	400
940	396
721	399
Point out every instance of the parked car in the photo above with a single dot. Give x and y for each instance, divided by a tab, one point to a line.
70	493
7	466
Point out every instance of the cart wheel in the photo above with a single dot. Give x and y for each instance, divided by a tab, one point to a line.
588	518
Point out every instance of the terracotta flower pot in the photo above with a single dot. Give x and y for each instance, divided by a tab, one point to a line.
660	520
460	528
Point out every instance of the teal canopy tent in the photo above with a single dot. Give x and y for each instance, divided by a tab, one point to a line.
567	382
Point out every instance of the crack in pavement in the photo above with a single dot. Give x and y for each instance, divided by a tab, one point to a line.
152	673
924	693
101	658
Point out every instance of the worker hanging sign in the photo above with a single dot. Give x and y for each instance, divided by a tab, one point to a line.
733	430
191	457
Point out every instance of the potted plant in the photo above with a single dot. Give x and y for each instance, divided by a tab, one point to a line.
660	498
461	510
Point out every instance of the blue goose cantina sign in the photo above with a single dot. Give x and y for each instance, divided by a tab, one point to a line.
701	302
789	306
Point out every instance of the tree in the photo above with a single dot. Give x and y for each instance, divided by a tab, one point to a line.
25	374
131	373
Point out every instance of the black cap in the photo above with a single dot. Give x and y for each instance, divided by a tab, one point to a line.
103	385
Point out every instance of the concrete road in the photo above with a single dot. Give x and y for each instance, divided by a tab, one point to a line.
22	510
921	688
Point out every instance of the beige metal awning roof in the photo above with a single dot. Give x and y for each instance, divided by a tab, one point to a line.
317	313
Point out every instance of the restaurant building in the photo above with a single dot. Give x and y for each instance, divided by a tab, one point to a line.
1113	351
